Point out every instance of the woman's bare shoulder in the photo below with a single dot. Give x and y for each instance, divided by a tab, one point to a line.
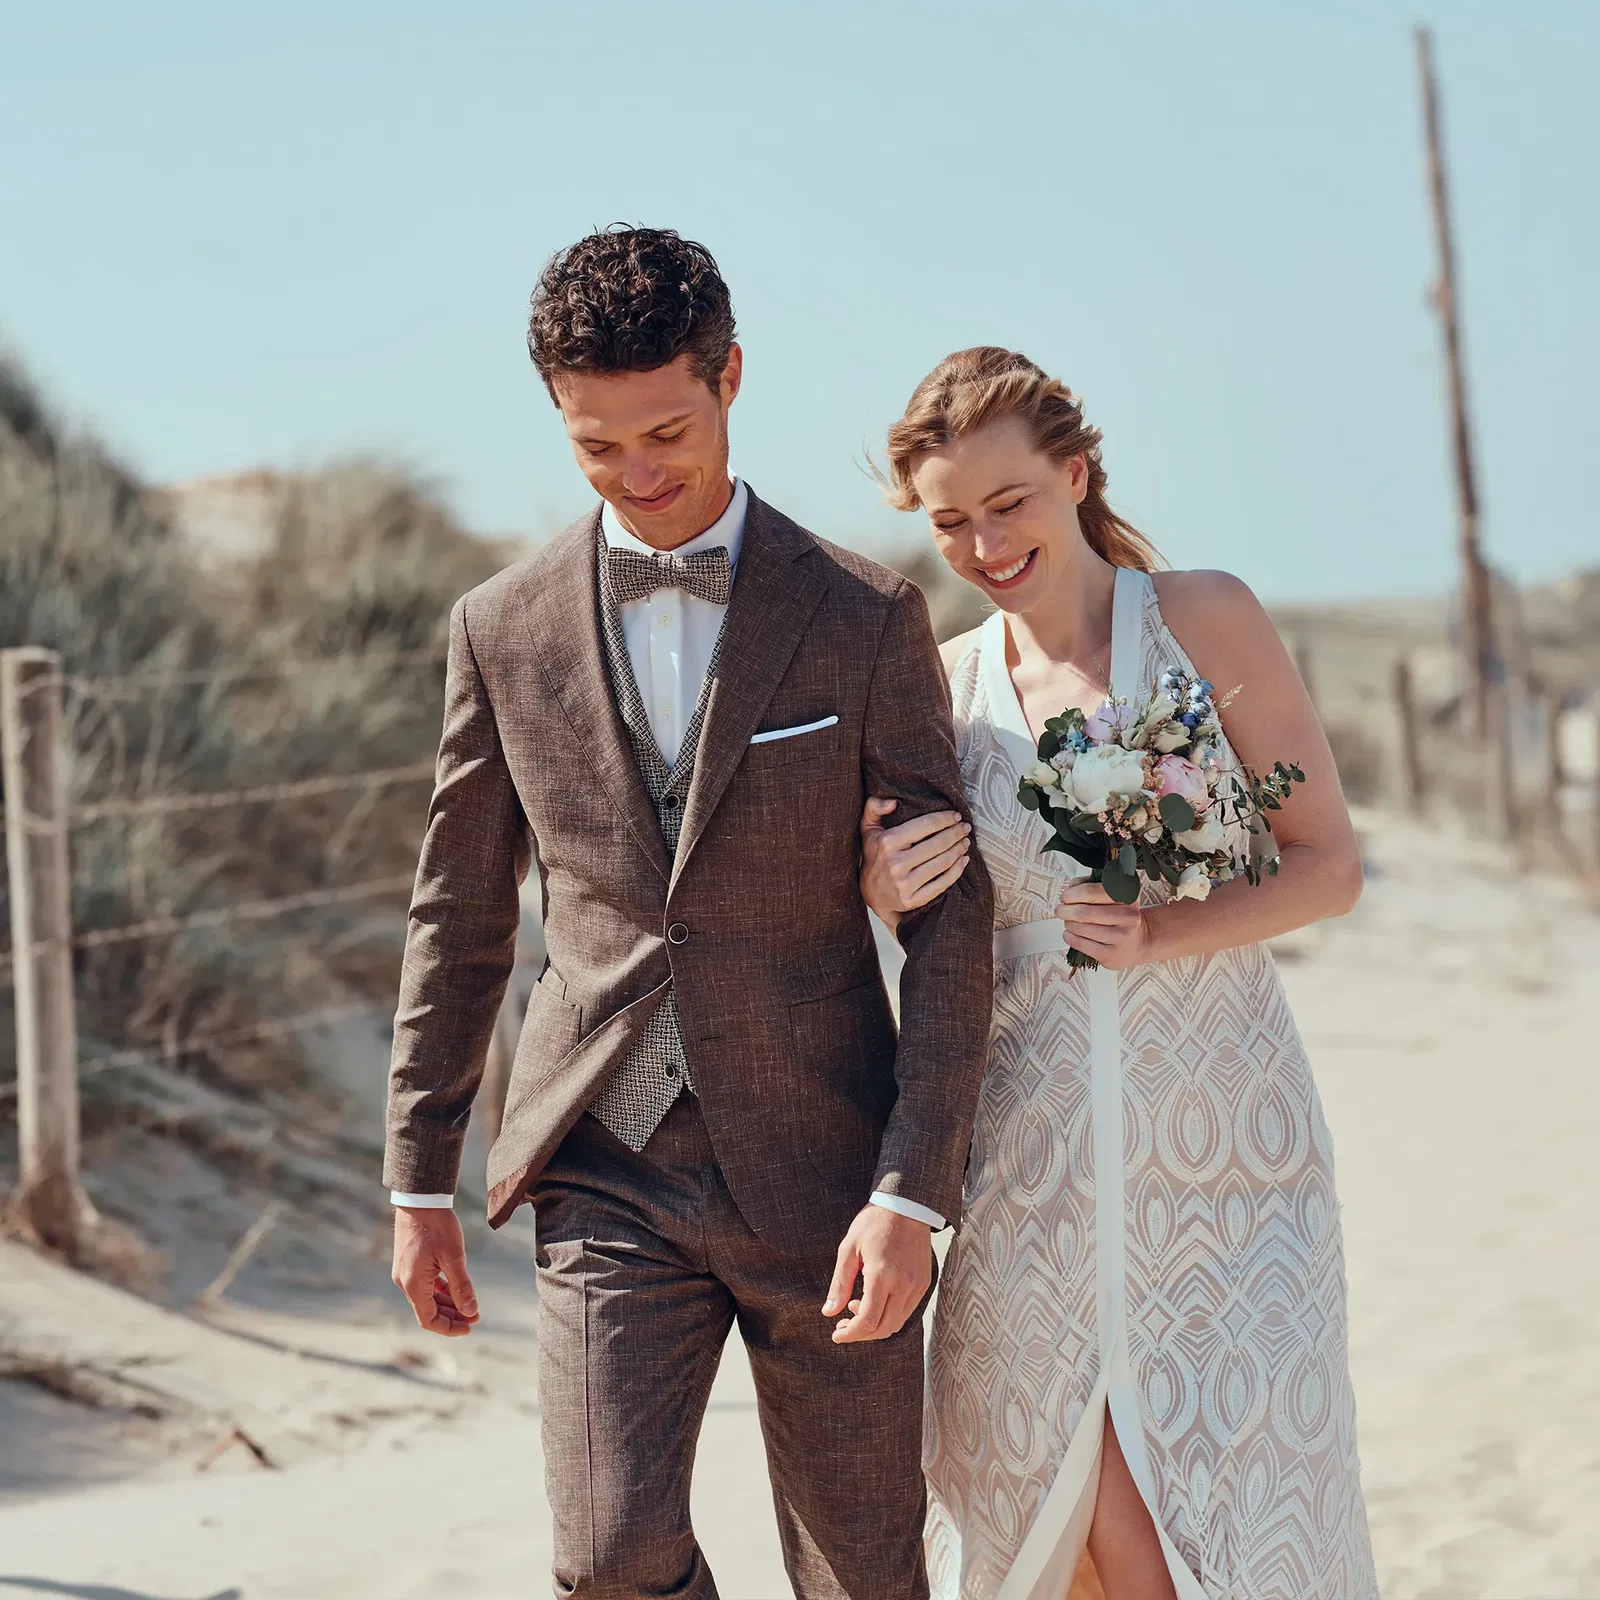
1209	604
1203	588
1218	620
951	651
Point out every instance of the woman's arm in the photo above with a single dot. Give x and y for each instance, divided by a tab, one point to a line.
1231	640
908	866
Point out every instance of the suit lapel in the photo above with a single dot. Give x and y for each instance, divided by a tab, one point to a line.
564	617
774	594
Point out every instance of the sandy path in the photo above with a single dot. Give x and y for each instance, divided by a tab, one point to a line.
1454	1029
1452	1020
458	1510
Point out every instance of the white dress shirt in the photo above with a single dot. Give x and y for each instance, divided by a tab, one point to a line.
670	636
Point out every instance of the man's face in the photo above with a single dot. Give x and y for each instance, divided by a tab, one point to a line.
654	444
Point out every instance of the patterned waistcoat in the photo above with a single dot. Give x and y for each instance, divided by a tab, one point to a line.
641	1091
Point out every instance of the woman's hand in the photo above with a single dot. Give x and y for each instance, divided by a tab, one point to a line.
906	867
1117	936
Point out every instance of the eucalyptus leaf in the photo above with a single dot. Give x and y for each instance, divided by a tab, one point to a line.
1176	813
1123	887
1028	797
1049	743
1091	856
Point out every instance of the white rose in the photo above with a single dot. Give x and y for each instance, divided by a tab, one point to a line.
1137	818
1104	771
1063	758
1173	736
1043	774
1204	837
1193	884
1153	835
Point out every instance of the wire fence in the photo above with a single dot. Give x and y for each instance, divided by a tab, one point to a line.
215	1038
261	794
177	804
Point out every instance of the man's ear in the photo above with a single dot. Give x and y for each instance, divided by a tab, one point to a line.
732	376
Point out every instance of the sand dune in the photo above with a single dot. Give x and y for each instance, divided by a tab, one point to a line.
1452	1020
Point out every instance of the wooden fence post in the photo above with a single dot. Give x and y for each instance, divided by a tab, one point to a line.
41	945
1555	776
1502	797
1405	705
1594	779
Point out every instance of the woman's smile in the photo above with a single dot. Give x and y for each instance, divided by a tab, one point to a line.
1011	574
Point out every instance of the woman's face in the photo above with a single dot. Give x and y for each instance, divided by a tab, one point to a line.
1004	516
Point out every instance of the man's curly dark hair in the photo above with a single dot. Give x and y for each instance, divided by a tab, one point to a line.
630	300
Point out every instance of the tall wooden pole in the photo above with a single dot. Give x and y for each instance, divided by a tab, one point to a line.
1485	691
1477	637
41	945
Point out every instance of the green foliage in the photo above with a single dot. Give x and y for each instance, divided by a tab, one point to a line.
1176	812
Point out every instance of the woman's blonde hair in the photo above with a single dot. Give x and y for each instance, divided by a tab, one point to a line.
972	388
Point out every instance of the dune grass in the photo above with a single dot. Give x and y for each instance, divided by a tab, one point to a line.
295	651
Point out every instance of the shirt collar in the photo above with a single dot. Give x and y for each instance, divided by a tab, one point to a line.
727	530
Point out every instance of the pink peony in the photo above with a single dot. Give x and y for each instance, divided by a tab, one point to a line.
1105	724
1180	776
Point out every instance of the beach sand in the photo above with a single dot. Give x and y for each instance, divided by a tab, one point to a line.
1452	1020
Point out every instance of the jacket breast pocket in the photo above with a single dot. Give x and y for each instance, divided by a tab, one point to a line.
817	745
551	1030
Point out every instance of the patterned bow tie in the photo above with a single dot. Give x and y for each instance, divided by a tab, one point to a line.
635	576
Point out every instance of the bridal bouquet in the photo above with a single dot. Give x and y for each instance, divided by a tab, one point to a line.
1141	793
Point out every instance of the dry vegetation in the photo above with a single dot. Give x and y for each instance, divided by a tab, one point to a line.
293	648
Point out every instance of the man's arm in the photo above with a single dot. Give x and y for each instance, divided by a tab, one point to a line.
460	948
947	986
946	993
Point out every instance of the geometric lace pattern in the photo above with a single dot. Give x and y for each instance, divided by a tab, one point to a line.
1235	1285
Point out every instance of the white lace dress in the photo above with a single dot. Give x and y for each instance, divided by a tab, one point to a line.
1150	1227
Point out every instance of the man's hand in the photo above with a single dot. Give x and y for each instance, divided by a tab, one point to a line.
430	1265
893	1256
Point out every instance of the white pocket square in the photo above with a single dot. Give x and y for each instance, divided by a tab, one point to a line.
792	733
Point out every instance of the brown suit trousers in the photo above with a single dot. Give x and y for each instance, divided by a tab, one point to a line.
645	1263
806	1101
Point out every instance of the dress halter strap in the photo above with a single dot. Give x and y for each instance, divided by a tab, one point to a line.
1127	634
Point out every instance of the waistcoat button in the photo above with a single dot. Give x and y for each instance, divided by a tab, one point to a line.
669	802
677	934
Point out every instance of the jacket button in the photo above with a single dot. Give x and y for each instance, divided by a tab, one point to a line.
677	934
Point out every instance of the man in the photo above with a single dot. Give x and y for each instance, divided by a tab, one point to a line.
675	709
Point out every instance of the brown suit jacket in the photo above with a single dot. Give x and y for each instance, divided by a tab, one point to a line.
810	1101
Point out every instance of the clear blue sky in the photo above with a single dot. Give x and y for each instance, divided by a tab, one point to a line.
240	234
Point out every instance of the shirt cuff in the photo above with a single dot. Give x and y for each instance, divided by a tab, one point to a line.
909	1208
423	1202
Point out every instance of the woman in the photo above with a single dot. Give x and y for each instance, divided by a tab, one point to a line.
1140	1341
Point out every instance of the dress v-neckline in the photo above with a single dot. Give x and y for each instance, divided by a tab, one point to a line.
1010	721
